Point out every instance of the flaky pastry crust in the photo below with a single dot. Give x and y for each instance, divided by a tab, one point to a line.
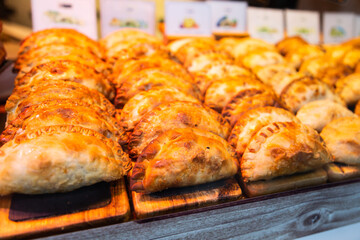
297	56
348	88
289	44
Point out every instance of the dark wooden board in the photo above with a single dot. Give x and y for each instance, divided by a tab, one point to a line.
117	211
174	200
286	215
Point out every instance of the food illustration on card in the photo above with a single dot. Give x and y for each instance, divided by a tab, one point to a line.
226	22
266	30
337	31
189	23
134	23
57	17
303	31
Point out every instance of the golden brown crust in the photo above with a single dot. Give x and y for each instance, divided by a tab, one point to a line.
332	74
315	66
206	60
351	58
338	172
281	149
304	52
148	79
175	115
60	35
348	88
34	56
342	137
183	157
301	91
220	92
252	121
248	45
59	159
357	108
266	73
248	99
63	112
317	114
228	44
24	97
68	70
215	72
290	44
146	101
260	58
280	80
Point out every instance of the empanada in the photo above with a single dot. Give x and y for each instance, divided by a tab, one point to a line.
351	58
332	74
281	79
228	44
313	67
297	56
175	115
301	91
220	92
281	149
146	101
252	121
266	73
24	97
60	35
217	72
336	52
63	112
317	114
290	44
260	58
213	58
59	159
176	44
342	137
148	79
183	157
348	88
124	34
248	99
248	45
34	56
67	70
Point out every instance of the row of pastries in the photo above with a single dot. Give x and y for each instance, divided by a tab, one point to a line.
193	112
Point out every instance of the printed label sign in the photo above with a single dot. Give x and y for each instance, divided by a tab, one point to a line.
116	14
228	17
338	27
187	19
357	26
266	24
76	14
303	23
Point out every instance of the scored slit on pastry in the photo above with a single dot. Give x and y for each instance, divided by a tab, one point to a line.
183	157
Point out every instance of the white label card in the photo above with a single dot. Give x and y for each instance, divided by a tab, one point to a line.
76	14
357	26
116	14
187	19
266	24
303	23
338	27
228	17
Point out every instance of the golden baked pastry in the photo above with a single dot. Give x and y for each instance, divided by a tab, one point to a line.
124	34
332	74
24	97
266	73
60	35
336	52
63	112
59	159
175	115
248	99
228	44
260	58
349	88
252	121
68	70
301	91
146	101
290	44
302	53
357	69
357	108
148	79
281	149
248	45
218	72
342	137
220	92
194	48
318	113
314	66
281	79
135	65
176	44
351	58
183	157
35	56
209	59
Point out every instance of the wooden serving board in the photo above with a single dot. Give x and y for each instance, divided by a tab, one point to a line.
179	199
117	211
